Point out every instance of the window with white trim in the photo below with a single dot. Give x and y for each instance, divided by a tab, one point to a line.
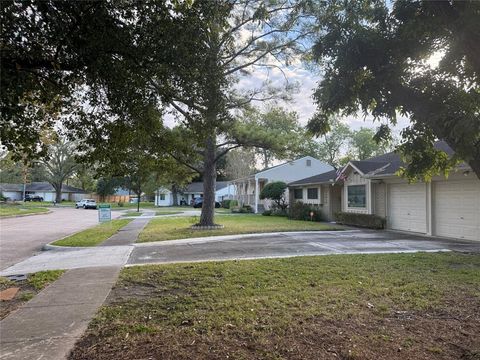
309	162
298	194
162	196
312	193
356	196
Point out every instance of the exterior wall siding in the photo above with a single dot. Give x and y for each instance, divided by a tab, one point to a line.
379	191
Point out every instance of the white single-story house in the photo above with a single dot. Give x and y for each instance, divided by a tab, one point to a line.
248	189
14	192
443	207
223	191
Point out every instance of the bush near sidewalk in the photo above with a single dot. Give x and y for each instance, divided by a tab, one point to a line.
361	220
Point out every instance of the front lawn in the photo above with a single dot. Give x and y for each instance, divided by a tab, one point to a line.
11	210
133	213
389	306
28	289
93	236
179	228
167	212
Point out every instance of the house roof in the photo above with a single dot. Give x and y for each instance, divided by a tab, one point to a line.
327	177
377	166
275	166
11	187
197	187
39	186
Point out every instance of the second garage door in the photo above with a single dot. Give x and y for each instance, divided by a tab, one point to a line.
407	207
456	209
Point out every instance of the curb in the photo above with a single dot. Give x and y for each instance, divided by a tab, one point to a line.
23	215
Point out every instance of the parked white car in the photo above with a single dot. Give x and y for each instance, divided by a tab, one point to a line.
86	204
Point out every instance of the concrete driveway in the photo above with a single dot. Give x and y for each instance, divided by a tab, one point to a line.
292	244
22	237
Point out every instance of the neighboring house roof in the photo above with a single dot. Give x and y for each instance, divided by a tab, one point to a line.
327	177
197	187
11	187
274	167
39	186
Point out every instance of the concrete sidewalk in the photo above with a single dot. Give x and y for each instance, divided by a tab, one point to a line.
48	326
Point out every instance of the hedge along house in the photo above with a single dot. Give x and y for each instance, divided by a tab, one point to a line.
248	189
443	207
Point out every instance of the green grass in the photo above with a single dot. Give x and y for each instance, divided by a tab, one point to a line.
179	228
143	205
166	212
132	213
11	210
41	279
292	308
94	235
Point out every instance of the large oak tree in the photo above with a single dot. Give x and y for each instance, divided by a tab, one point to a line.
379	59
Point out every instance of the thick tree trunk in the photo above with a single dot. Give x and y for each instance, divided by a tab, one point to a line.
58	192
209	181
175	195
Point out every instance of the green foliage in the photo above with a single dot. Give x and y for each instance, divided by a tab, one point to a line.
275	191
413	59
226	203
301	211
42	278
267	213
362	220
329	149
364	146
233	203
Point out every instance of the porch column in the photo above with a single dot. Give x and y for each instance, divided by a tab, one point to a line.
256	195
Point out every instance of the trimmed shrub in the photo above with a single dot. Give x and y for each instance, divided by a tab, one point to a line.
275	191
267	213
242	210
301	211
233	203
226	203
362	220
120	204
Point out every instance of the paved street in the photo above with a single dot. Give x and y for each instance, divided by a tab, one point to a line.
291	244
22	237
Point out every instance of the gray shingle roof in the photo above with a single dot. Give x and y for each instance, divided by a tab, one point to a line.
39	186
197	187
327	177
385	164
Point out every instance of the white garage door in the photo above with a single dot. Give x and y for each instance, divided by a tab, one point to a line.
456	209
407	207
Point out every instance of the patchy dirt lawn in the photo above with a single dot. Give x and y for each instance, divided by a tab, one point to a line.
404	306
28	288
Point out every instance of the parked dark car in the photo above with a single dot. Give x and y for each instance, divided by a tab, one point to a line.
33	198
198	202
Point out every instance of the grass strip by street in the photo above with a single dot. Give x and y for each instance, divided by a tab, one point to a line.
28	288
167	212
133	213
388	306
93	236
179	228
12	210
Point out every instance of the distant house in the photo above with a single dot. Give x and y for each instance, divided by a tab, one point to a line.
248	189
443	207
194	190
14	192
